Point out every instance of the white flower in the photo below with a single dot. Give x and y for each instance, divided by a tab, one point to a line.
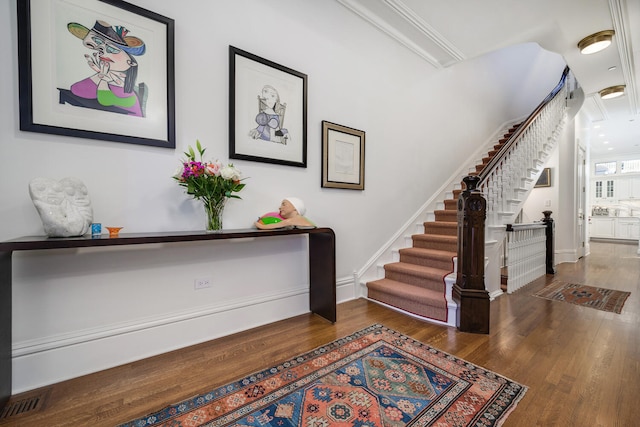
178	173
230	172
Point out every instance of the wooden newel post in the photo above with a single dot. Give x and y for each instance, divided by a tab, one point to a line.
548	221
469	291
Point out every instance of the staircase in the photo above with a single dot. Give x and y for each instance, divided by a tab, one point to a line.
416	283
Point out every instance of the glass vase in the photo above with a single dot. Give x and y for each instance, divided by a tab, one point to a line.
214	210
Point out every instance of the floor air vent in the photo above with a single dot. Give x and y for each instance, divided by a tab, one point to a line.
22	406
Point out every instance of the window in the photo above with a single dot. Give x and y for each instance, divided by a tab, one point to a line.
627	166
606	168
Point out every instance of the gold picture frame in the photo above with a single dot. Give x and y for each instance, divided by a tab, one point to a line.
343	151
545	179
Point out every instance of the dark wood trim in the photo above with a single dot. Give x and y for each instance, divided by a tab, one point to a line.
518	227
41	242
469	290
550	261
5	327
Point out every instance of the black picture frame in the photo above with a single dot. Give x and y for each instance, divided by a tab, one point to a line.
343	156
258	130
545	179
51	56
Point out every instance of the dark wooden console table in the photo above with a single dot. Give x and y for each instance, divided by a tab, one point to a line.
322	271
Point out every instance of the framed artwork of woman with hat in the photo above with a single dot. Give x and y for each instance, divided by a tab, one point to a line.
97	69
112	84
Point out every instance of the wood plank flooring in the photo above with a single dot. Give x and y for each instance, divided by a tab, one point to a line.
582	365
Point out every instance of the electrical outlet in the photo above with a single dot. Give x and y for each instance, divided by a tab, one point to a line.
202	283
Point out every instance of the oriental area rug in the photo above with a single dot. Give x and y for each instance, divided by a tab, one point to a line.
586	296
374	377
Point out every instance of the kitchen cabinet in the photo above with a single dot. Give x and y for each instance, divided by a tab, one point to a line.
603	227
628	228
603	190
628	188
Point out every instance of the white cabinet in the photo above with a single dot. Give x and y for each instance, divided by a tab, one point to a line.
628	228
615	228
623	188
603	227
627	188
604	190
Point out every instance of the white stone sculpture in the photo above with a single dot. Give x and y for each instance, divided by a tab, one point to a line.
64	206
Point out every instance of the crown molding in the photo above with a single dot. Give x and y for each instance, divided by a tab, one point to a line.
621	25
427	30
444	47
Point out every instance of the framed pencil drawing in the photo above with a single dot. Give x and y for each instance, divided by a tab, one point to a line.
267	111
342	157
98	69
545	179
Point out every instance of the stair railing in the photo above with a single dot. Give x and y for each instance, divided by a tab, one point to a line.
526	254
503	185
510	173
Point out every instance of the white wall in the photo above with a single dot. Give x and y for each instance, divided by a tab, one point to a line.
80	311
544	198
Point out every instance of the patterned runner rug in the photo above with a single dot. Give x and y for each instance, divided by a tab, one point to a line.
375	377
587	296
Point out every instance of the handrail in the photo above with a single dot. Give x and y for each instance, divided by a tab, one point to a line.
484	174
532	226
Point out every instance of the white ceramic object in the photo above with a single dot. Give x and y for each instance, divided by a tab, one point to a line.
64	206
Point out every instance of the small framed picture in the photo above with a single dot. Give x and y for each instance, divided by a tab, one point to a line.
545	179
267	111
342	157
98	69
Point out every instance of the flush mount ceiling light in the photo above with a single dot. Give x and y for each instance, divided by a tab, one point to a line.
612	92
595	42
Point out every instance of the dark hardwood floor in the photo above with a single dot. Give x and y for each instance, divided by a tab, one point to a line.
582	365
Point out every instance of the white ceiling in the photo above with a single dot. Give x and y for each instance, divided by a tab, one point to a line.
446	32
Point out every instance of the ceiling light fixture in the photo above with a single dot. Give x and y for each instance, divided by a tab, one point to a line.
612	92
595	42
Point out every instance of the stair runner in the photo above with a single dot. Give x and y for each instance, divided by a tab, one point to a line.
416	284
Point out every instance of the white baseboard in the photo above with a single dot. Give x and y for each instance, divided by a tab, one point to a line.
54	358
58	358
565	255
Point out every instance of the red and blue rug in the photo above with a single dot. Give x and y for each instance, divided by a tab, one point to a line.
375	377
587	296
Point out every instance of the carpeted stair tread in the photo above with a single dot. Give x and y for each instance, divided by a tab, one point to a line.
446	228
420	301
434	241
417	275
428	257
451	205
446	215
